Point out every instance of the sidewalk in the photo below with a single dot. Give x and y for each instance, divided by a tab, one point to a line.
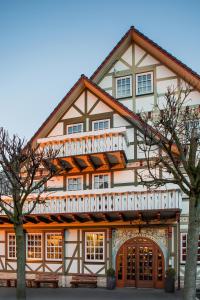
91	294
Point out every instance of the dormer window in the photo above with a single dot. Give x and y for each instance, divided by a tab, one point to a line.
124	87
74	128
144	83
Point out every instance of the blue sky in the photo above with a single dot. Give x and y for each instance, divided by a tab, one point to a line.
46	44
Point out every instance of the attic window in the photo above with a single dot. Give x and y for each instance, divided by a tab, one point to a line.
144	83
123	87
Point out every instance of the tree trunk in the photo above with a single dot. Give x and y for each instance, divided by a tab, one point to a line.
21	261
192	246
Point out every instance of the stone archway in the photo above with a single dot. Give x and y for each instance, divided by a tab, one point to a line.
140	263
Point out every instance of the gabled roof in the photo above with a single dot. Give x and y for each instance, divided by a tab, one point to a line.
71	96
134	35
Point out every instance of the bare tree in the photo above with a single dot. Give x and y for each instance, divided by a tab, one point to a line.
20	166
172	147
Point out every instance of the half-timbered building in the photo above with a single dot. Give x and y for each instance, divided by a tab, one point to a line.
96	215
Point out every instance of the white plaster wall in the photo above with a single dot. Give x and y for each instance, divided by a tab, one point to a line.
57	130
106	82
148	61
124	176
127	56
71	235
128	103
118	121
164	84
55	182
80	102
91	100
101	108
144	103
71	113
163	72
139	53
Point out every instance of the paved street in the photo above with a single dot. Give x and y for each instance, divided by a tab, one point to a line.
91	294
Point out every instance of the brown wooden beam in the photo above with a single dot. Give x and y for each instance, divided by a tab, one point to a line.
32	219
44	219
56	219
66	219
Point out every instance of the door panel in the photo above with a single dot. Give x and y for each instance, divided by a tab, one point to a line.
140	263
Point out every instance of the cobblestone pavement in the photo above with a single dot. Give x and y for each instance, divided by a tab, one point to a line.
91	294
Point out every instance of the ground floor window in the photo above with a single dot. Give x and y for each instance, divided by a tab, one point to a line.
94	246
184	248
34	246
53	246
12	253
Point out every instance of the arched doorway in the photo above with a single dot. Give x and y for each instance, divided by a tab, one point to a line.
140	263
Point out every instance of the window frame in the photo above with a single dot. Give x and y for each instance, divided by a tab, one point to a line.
8	246
131	86
72	125
181	248
72	177
136	83
46	246
99	174
37	258
98	121
85	243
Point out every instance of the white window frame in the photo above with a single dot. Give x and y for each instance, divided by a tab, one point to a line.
72	125
184	261
46	246
8	248
99	174
34	233
94	260
72	177
136	85
98	121
131	87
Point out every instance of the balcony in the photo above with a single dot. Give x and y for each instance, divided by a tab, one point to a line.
90	151
115	204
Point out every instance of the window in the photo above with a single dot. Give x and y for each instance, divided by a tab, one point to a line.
53	246
144	83
101	181
75	128
184	248
12	253
34	246
94	246
100	125
124	87
74	183
192	125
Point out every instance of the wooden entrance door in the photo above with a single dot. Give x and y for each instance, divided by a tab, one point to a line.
140	263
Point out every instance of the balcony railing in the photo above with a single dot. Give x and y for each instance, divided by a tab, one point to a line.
112	200
108	140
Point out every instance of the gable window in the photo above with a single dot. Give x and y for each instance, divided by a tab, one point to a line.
94	246
34	246
53	246
184	248
12	253
75	128
101	181
144	83
124	87
100	125
74	183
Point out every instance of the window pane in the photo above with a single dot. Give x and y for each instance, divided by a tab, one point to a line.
123	87
144	83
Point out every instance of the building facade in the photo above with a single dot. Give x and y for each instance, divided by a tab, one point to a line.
96	214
